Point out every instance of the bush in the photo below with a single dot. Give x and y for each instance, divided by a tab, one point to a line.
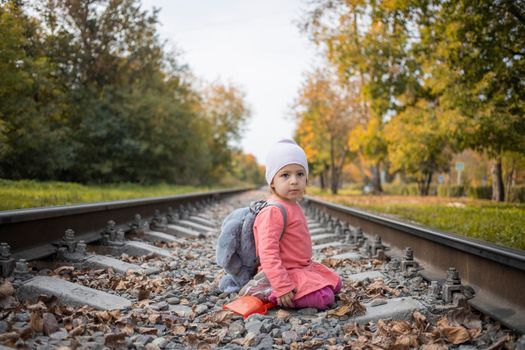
451	191
517	194
480	192
401	189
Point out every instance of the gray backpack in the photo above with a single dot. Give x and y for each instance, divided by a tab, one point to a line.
235	250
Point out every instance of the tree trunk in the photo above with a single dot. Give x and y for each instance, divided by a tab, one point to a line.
376	178
322	180
509	181
498	193
424	185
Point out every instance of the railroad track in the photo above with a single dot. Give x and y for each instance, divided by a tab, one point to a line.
100	276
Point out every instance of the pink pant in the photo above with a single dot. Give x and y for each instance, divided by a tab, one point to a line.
320	299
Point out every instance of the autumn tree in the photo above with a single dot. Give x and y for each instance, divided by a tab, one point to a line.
418	144
326	112
89	94
475	63
367	41
225	107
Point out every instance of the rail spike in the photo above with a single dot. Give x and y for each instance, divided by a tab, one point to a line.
69	249
7	263
452	286
158	221
377	248
408	260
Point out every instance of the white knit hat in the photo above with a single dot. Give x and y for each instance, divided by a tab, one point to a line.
283	153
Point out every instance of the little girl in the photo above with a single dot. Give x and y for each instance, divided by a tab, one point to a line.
286	260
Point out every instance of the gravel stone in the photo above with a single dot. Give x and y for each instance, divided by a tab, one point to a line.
181	310
236	329
289	337
309	311
173	300
3	326
144	339
160	342
59	335
253	326
50	323
265	342
377	302
276	333
201	308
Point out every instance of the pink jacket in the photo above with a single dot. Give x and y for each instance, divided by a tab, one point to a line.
288	263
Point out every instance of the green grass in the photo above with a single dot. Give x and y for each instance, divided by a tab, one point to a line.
32	194
499	223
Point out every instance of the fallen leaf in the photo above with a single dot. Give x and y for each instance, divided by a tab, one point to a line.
6	289
40	306
434	347
281	313
178	329
128	329
102	316
115	340
143	294
353	308
199	278
455	335
121	285
420	319
222	316
63	270
406	341
155	318
401	327
79	330
147	330
36	322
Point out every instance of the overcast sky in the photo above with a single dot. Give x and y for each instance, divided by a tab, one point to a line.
255	44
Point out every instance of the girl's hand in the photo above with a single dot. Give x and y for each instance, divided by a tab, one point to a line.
286	300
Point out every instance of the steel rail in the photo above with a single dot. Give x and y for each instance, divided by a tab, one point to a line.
497	274
32	232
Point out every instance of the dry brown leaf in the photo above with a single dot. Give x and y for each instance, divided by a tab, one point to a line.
199	278
115	314
249	339
406	341
63	270
178	329
281	313
204	346
420	319
143	294
353	308
40	306
122	285
26	332
401	327
102	316
455	335
79	330
36	322
6	289
500	343
147	330
222	316
8	336
128	329
115	340
434	347
155	318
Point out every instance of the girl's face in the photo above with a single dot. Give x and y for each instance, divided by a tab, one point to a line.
289	182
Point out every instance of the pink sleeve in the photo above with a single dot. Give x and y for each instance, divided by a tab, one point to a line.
269	224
